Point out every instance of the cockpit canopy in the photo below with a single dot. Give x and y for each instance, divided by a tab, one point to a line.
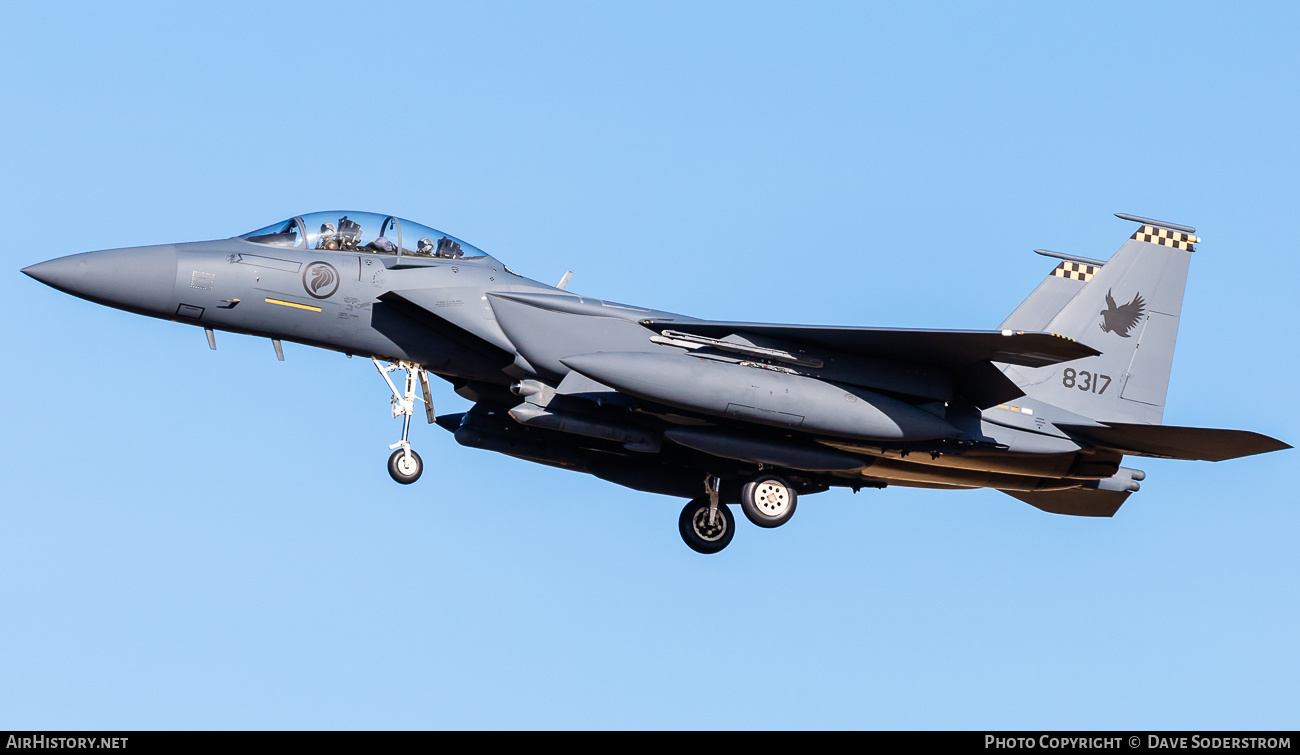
365	232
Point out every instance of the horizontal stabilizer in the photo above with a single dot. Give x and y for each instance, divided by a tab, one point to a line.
1084	502
1172	442
940	348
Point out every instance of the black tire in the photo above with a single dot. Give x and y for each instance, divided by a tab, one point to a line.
698	536
396	468
768	501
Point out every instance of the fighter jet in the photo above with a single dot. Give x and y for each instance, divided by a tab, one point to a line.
1044	408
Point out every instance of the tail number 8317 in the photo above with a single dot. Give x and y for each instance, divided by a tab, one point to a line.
1089	382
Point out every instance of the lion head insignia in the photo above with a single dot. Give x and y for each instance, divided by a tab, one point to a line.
1121	319
320	279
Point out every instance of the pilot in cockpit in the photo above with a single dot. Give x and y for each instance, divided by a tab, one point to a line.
344	237
328	239
425	247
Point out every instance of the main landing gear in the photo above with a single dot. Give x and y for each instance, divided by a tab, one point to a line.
768	501
405	465
707	526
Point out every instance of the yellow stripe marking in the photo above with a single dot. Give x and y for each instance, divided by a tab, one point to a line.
269	300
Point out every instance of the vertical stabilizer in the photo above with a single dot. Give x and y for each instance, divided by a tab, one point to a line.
1128	310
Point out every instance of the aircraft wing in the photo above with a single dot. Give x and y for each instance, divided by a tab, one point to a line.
940	348
1173	442
1080	502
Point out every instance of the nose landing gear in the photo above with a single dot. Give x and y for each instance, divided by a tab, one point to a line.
405	465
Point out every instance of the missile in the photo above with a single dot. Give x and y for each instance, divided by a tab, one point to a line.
774	397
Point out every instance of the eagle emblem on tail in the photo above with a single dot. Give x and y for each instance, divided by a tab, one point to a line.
1121	319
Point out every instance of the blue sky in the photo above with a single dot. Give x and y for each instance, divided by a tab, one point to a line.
209	539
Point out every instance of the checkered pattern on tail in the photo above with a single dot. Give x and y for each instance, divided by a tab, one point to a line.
1166	237
1075	271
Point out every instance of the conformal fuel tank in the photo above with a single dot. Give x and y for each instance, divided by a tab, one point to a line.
755	394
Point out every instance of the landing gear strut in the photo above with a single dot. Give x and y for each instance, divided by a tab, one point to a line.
405	465
706	524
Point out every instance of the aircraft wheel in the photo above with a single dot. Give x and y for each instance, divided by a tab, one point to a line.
701	536
768	501
402	470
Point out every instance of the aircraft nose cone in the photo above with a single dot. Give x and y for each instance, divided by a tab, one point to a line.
140	279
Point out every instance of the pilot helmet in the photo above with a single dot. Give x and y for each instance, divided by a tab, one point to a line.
425	246
328	238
